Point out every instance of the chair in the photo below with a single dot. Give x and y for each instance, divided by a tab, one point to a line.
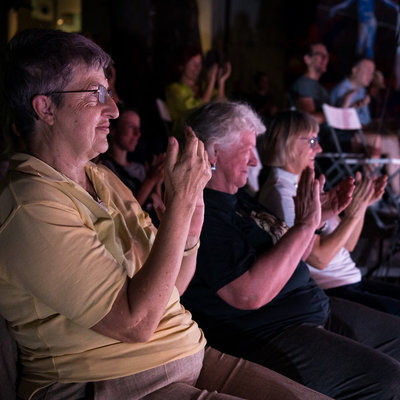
341	163
165	116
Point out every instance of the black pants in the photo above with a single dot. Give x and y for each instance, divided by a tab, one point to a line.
378	295
355	356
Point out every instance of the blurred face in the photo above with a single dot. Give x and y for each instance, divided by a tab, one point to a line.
263	83
81	124
363	73
127	132
233	163
306	147
193	67
318	59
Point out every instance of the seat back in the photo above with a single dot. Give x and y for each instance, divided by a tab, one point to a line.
343	164
341	118
336	163
165	116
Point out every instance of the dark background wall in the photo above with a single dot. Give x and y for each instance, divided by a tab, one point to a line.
144	36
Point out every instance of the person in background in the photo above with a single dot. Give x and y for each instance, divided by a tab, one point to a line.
89	288
306	93
290	146
123	139
252	293
377	93
352	92
262	99
190	91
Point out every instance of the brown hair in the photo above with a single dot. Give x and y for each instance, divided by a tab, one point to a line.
276	146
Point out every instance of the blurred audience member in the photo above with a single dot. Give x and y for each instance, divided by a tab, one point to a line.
306	93
190	91
262	100
352	92
123	139
376	94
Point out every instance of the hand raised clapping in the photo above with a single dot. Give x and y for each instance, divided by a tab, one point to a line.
337	199
367	191
307	200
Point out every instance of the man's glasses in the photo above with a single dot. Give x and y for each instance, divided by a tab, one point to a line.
312	141
101	93
320	54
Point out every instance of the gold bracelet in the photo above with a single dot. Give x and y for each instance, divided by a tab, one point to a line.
191	250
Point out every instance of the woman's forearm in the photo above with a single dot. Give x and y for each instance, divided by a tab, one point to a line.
325	249
141	302
271	271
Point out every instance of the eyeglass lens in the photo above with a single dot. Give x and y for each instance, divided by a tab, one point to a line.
103	92
313	142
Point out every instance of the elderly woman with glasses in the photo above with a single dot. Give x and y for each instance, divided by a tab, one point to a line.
290	146
88	286
253	295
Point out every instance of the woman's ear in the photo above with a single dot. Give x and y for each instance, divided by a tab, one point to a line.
213	153
43	107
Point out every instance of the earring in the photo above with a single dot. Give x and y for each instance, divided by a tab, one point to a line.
213	167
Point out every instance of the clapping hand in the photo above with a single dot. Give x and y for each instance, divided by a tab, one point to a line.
307	200
337	199
225	72
379	188
367	191
185	179
155	169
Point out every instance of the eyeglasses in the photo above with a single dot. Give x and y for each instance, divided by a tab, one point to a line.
320	54
312	141
101	93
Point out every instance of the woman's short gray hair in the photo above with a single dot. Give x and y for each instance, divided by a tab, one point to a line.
222	122
41	61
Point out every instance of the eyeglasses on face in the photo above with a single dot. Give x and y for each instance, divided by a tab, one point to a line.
312	141
101	93
320	54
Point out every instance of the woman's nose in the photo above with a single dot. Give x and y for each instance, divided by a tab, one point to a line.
317	148
253	161
112	109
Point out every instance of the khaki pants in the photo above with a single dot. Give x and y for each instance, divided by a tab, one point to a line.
216	376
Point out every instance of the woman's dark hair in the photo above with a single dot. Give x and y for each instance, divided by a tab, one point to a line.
186	53
122	108
40	61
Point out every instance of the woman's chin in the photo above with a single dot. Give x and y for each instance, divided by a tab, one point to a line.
101	148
